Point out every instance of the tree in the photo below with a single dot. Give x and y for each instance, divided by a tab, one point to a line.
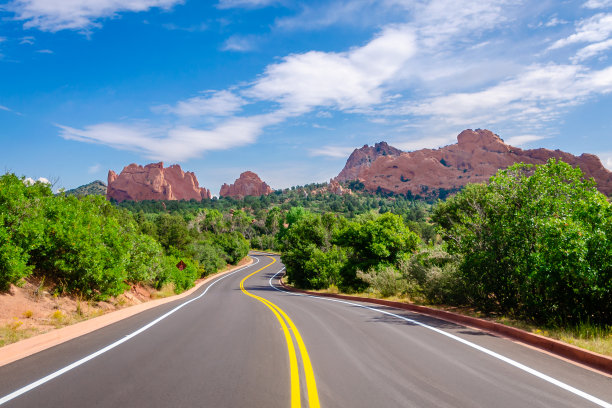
535	243
384	239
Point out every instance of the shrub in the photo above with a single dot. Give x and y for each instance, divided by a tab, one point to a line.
535	242
385	280
234	245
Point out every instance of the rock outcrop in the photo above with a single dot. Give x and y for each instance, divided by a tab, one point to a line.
363	158
335	188
154	182
476	156
248	184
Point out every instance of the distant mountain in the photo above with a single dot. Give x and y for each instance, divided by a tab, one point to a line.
94	188
477	155
248	184
154	182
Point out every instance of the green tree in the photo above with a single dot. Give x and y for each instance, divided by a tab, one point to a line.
384	239
535	243
172	231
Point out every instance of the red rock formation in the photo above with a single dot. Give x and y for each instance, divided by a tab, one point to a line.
335	188
248	184
476	156
154	182
363	158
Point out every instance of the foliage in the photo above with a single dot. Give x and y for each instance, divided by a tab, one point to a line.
536	242
385	280
88	246
234	245
432	276
323	250
384	239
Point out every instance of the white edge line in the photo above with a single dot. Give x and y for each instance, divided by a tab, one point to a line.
111	346
498	356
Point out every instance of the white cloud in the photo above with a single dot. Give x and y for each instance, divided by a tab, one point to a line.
221	103
441	23
45	51
537	95
593	29
54	15
29	40
239	43
521	140
425	142
592	50
606	159
94	169
340	152
334	12
595	4
553	22
224	4
28	181
345	80
190	29
178	143
4	108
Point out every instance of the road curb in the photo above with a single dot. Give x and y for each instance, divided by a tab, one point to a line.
588	358
35	344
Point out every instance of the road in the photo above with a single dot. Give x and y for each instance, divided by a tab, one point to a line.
242	341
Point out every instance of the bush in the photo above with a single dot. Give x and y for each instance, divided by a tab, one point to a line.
146	259
182	280
21	226
432	276
210	257
385	280
234	245
84	250
535	243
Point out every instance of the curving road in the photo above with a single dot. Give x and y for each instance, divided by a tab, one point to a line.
242	341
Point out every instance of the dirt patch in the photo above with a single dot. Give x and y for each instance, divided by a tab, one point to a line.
36	308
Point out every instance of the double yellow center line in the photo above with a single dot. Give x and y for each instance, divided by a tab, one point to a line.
288	327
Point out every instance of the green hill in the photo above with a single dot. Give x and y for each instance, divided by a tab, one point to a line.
94	188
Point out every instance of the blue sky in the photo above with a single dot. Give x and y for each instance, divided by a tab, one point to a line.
289	88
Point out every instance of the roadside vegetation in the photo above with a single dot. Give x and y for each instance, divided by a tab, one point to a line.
87	247
532	248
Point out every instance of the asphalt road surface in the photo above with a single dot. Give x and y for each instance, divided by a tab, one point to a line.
243	341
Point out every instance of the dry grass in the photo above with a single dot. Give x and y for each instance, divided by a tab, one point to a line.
166	291
13	332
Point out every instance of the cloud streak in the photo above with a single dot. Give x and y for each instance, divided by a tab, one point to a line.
54	15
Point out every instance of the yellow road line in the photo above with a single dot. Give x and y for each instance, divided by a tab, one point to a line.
313	396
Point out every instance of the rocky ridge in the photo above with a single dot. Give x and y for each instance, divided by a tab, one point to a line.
248	184
363	158
154	182
476	156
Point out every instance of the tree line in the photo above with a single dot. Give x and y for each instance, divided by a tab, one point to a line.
87	246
